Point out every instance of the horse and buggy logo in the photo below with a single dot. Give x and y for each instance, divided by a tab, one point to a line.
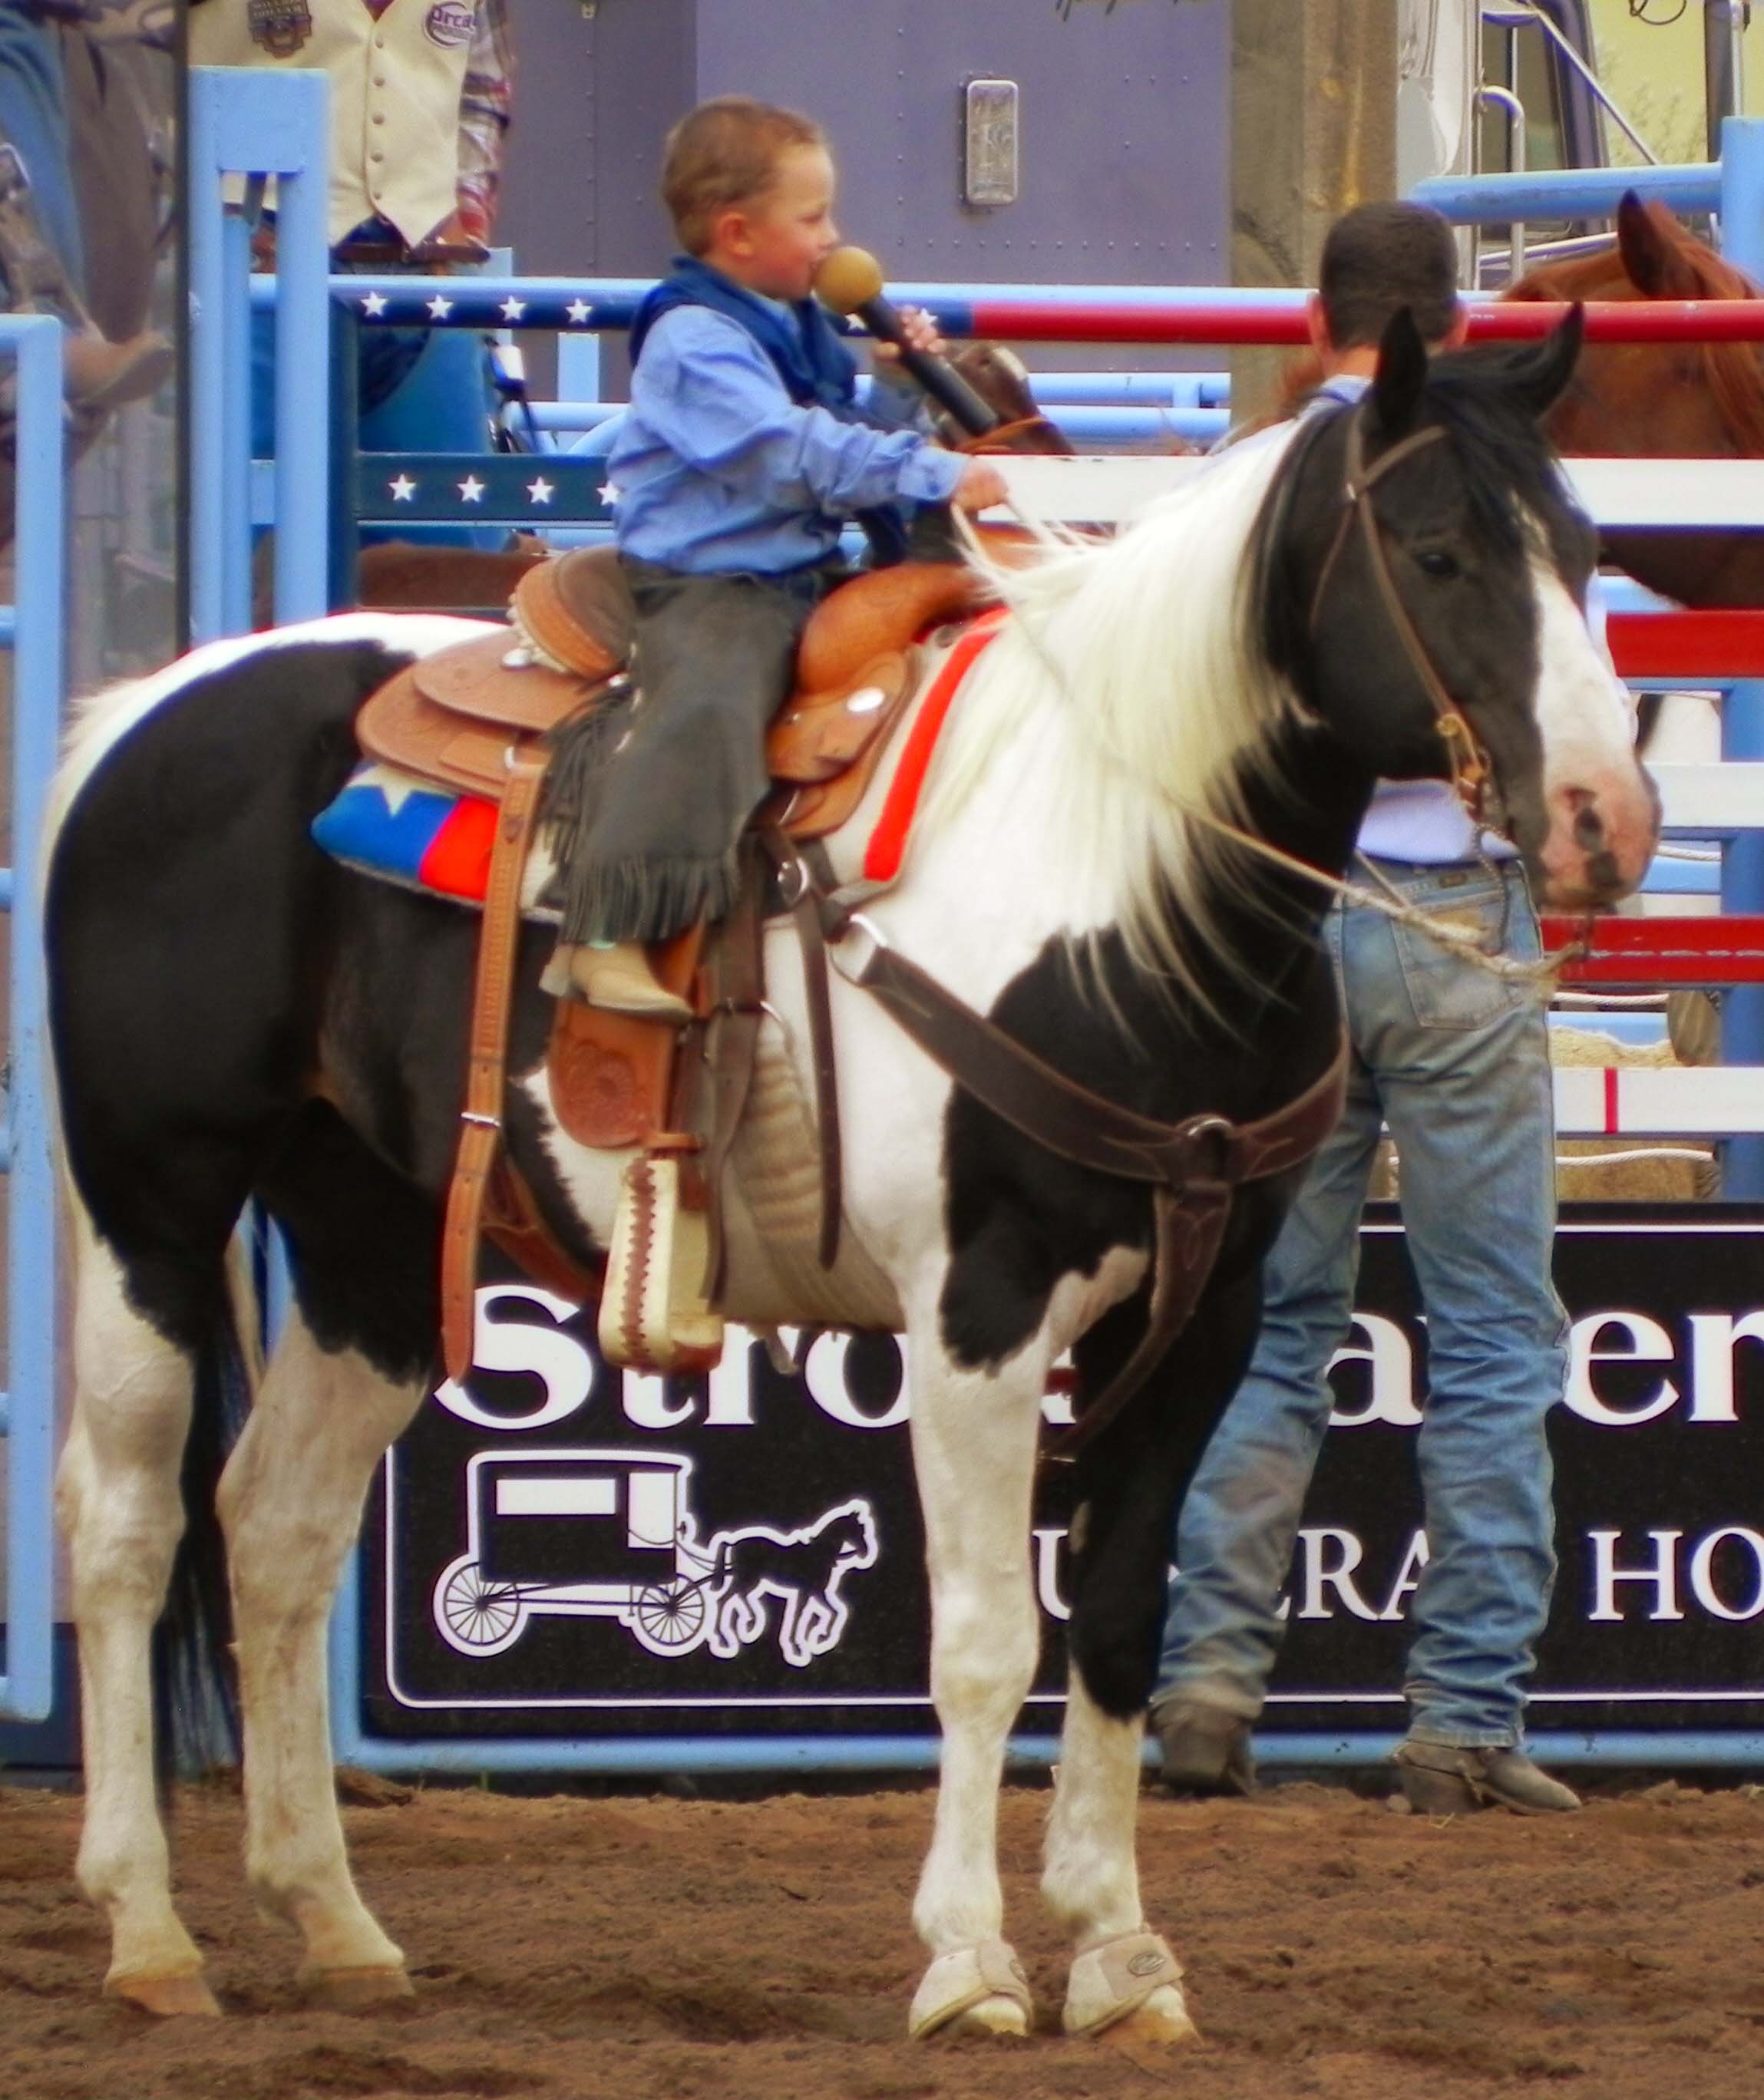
611	1535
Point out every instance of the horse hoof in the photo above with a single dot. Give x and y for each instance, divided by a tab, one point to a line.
992	2017
978	1990
182	1996
1162	2022
354	1990
1128	1992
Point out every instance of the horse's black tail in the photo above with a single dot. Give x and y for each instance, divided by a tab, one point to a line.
196	1692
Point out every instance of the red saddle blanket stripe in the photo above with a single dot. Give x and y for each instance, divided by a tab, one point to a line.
888	842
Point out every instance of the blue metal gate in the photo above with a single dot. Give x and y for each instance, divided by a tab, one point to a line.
32	628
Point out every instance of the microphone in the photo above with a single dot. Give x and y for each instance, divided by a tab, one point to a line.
849	281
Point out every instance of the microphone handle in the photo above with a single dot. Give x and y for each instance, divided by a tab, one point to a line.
947	388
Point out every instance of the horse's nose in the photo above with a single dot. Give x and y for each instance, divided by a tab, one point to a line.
1600	839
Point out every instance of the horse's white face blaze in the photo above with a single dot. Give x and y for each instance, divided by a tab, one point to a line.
1601	814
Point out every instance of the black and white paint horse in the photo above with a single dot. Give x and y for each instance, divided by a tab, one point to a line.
237	1017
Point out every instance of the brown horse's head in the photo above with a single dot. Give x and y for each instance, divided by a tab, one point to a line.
1002	381
1687	400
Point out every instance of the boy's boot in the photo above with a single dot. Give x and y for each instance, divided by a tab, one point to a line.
618	979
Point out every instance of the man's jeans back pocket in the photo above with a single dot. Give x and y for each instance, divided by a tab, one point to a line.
1446	988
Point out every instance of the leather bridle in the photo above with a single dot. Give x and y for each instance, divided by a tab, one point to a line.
1471	772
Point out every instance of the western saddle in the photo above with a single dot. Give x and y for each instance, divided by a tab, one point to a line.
478	718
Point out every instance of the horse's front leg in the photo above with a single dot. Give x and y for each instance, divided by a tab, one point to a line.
290	1500
1124	1979
974	1453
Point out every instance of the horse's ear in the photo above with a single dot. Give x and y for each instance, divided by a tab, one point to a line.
1647	241
1401	378
1542	376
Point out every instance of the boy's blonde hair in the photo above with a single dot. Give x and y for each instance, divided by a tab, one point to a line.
723	155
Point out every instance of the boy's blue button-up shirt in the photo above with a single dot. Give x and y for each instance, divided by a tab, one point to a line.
716	470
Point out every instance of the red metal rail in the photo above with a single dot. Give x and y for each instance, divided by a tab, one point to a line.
1687	645
1242	320
1728	950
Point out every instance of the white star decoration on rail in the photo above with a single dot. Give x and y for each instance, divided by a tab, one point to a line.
578	311
540	490
472	489
440	307
402	489
609	495
513	308
374	305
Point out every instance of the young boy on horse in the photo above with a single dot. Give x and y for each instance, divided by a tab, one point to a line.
743	454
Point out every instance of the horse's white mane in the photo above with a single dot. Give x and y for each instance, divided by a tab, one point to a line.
1131	665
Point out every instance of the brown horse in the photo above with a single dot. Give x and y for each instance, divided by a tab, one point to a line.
1689	400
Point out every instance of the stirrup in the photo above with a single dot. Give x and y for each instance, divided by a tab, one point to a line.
653	1313
966	1977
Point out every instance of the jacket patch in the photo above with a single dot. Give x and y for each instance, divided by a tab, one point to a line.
450	23
280	27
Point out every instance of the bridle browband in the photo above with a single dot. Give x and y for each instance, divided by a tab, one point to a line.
1471	772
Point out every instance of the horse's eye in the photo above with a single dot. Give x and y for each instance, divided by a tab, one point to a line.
1435	561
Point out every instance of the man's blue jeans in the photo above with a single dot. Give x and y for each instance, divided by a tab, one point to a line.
1456	1061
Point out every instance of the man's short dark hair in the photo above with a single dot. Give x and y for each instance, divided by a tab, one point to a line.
1379	257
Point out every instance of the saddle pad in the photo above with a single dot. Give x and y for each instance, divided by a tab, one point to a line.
390	824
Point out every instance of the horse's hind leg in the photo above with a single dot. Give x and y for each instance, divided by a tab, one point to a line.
973	1450
348	1369
118	1497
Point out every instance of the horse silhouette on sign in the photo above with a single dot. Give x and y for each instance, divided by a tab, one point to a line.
803	1570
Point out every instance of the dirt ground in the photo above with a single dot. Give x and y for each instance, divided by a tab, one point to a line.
644	1948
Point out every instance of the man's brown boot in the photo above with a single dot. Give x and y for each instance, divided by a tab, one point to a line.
1454	1779
1206	1749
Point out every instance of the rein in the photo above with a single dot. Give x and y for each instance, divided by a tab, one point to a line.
1470	769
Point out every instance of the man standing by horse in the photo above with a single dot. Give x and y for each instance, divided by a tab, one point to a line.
1455	1060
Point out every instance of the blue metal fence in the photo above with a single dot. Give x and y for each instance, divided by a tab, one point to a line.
32	626
253	125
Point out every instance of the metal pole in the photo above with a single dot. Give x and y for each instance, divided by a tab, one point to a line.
1742	714
1723	65
27	1690
208	363
1501	98
235	424
303	359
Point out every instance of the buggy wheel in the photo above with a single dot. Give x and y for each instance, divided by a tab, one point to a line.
669	1618
475	1617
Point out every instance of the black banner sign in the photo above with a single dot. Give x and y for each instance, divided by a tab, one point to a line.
557	1548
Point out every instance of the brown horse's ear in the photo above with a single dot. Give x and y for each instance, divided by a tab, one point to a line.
1648	238
1402	374
1543	374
